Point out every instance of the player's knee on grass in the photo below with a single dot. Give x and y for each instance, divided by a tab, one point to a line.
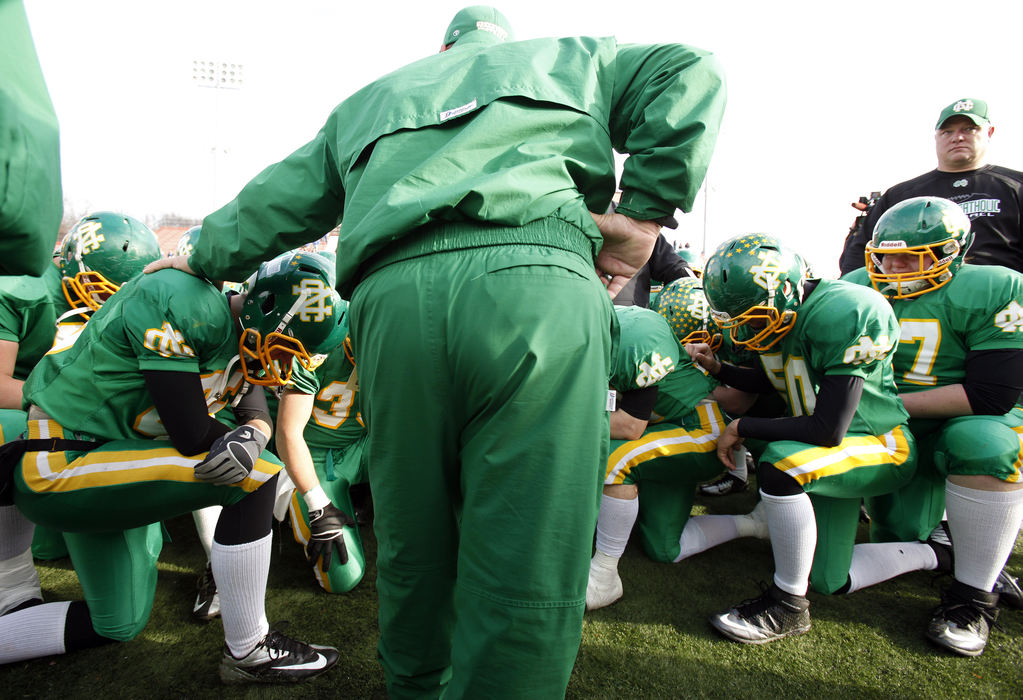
829	582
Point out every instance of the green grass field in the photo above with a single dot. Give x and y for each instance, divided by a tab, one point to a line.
654	643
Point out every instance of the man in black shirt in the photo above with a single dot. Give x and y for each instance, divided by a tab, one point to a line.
992	196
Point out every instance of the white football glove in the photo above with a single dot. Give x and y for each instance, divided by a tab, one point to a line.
232	456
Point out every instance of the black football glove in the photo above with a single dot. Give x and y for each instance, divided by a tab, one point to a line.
232	456
326	533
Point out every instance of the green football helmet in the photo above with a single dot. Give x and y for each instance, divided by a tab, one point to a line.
331	259
934	230
100	253
685	307
754	283
290	312
186	244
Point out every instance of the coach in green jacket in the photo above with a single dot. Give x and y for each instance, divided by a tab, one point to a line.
464	183
31	201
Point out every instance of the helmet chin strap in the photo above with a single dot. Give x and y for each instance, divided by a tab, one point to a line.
218	388
82	266
286	318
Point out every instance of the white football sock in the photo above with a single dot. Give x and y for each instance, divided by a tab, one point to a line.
601	561
614	524
793	540
874	562
702	532
240	571
206	524
17	532
19	580
739	457
983	526
33	632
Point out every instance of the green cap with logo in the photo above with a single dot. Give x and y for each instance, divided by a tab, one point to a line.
974	110
478	18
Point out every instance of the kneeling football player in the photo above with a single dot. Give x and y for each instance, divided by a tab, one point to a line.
121	436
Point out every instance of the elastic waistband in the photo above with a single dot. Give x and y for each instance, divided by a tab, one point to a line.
446	236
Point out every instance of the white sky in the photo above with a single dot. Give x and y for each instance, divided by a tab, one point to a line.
827	100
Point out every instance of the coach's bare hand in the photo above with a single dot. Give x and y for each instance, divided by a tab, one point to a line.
178	262
628	244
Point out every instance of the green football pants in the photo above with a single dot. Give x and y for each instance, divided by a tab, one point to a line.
837	479
967	445
47	543
109	502
667	463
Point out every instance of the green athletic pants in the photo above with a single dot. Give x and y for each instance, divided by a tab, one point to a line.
109	503
837	479
47	543
484	376
667	463
967	445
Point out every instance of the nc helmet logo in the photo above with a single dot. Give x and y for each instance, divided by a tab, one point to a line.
89	236
699	308
963	106
317	300
766	274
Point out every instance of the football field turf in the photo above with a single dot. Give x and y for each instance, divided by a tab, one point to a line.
654	643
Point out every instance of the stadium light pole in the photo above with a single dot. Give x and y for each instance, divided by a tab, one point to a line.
706	189
218	76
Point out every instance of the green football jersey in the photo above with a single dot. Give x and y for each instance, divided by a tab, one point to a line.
981	308
335	421
841	329
646	352
167	320
27	316
680	392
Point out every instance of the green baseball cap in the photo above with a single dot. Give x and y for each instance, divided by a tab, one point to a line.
975	110
478	18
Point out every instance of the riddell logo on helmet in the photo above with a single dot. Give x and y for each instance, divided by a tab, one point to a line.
892	244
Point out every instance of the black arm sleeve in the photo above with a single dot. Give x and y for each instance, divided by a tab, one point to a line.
665	264
837	399
994	380
751	379
252	406
639	403
181	403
